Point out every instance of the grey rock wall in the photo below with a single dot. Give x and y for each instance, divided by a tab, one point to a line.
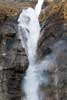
13	61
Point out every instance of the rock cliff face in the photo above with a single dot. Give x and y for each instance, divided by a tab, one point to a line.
53	31
13	60
54	27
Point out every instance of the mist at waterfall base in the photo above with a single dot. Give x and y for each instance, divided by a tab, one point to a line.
29	32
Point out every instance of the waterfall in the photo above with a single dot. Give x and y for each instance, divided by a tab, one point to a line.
29	30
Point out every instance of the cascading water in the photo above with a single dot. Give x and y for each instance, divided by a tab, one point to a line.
29	33
29	30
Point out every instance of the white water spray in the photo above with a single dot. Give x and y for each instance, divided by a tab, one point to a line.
29	30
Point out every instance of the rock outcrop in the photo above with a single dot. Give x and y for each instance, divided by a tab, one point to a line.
13	60
53	31
54	27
